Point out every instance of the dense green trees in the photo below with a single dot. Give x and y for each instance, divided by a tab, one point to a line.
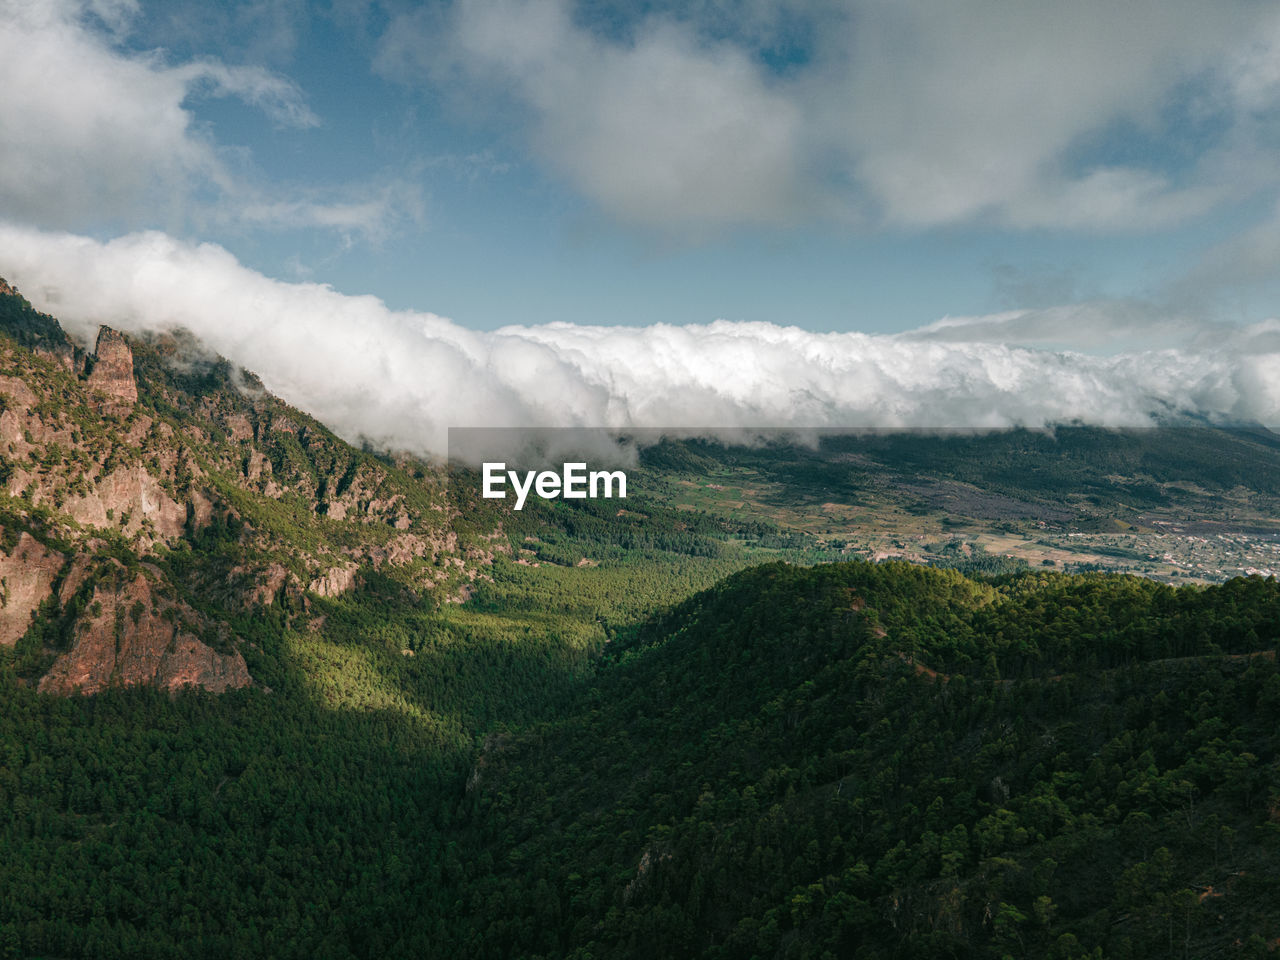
846	760
783	767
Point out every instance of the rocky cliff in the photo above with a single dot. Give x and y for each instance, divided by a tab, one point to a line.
149	479
28	571
110	368
127	635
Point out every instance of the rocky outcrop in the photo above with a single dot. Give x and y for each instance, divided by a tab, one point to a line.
127	635
27	575
17	389
357	496
124	499
22	429
256	466
239	428
81	567
63	355
11	434
111	367
335	581
138	430
407	547
131	498
139	446
199	510
264	585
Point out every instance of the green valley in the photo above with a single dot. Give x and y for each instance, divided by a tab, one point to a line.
264	693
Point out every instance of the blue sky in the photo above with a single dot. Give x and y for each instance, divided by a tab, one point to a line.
838	166
973	176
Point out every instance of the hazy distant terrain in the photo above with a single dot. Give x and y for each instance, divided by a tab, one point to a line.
1185	502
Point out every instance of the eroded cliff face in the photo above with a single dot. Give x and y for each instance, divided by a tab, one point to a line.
111	367
129	635
122	630
27	574
127	479
156	452
128	498
81	460
335	581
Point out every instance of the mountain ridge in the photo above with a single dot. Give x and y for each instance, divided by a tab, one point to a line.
144	447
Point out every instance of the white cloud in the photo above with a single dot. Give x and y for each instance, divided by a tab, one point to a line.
658	130
1093	325
974	110
402	378
94	136
910	112
275	96
370	210
84	130
664	129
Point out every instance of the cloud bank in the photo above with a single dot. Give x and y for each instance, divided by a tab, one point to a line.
92	133
1091	115
400	379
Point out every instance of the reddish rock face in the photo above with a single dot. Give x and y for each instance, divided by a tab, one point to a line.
26	581
112	372
62	354
201	510
17	388
335	581
257	466
266	584
136	638
132	492
239	428
81	567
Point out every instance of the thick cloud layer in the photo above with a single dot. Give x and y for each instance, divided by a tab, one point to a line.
93	134
401	379
1089	115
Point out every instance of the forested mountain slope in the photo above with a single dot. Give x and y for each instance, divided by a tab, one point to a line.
153	496
282	688
882	760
